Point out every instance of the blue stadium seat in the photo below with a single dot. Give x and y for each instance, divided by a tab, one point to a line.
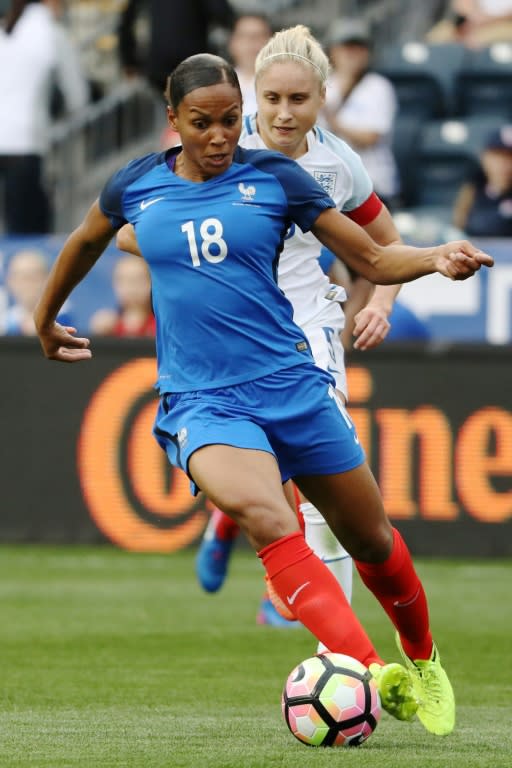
423	76
448	152
484	83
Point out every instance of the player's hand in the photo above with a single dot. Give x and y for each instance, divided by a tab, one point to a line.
60	343
371	326
126	240
460	259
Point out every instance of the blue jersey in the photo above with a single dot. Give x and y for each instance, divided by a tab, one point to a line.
213	251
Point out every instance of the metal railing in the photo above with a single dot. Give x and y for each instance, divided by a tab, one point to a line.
87	148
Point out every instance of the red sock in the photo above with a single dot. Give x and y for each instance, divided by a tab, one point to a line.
397	587
305	584
225	528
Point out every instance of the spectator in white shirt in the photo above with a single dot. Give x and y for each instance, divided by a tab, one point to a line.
35	53
361	105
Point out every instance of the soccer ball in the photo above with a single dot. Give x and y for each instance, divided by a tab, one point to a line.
331	700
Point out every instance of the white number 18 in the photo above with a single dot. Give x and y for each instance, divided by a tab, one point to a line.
210	232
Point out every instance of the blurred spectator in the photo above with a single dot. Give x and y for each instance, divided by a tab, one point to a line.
34	49
134	314
484	205
4	299
475	23
25	277
417	18
361	105
250	32
177	29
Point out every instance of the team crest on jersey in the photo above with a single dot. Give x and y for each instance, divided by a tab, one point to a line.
327	180
246	192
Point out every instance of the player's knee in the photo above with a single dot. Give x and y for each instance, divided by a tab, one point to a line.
375	547
262	520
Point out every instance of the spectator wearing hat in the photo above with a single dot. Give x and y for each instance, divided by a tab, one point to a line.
361	104
484	204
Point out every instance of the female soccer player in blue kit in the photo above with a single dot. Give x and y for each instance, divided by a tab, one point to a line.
243	408
291	75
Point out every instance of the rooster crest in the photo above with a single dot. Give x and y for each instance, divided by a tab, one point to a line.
246	192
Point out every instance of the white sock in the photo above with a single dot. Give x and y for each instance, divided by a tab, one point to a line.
326	546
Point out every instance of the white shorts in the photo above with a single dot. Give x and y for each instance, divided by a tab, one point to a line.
324	338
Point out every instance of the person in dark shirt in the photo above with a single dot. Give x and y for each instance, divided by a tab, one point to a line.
176	30
484	205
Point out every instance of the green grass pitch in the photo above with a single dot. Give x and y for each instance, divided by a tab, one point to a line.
118	660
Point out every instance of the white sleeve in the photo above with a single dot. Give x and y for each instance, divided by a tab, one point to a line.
344	155
362	183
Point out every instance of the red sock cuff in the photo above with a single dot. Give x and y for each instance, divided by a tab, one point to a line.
277	558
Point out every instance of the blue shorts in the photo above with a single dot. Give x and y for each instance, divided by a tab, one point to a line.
293	414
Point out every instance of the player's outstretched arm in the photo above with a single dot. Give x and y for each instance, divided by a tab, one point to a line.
395	263
79	254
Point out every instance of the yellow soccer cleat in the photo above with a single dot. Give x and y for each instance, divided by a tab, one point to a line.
436	702
396	690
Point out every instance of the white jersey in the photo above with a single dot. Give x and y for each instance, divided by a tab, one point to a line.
341	173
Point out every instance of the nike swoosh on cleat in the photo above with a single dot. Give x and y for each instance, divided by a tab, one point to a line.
290	599
146	203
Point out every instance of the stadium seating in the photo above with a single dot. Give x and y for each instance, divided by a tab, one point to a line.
406	133
449	97
426	225
448	151
423	76
484	82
